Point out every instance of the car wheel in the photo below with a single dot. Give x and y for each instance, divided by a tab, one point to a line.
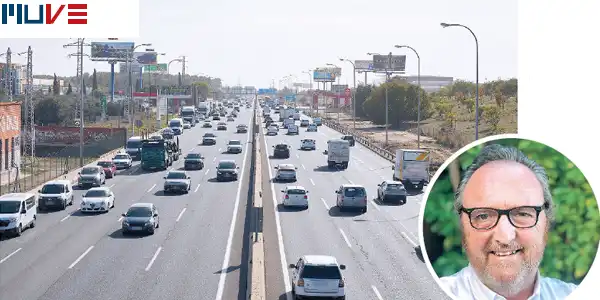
71	202
32	222
63	205
19	230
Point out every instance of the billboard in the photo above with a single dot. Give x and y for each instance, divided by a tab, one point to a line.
123	68
63	136
338	88
269	91
157	68
363	65
324	75
111	51
145	58
381	63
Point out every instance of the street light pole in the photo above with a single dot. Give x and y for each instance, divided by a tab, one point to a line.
418	93
353	92
476	73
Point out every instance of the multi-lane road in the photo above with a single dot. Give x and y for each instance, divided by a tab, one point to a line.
195	254
378	247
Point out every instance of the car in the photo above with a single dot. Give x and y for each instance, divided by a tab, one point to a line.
187	125
209	138
312	128
216	118
227	170
207	124
230	119
304	123
156	137
222	114
391	190
91	176
18	211
177	181
140	217
242	128
234	146
272	130
318	276
267	118
308	144
292	129
221	126
281	151
351	196
348	138
295	195
122	161
317	121
193	160
97	199
110	169
286	172
56	194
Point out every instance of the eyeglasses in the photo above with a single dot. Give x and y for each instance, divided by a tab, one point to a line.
484	218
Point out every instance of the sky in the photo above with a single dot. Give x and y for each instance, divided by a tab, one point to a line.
256	43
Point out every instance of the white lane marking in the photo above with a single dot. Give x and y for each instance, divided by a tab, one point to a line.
382	177
81	257
350	181
150	189
325	203
284	269
303	167
376	292
197	187
214	158
297	156
406	237
219	150
65	217
225	265
375	205
120	219
360	161
345	238
311	181
8	256
111	185
206	171
181	214
153	258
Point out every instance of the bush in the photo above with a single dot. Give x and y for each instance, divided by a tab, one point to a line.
572	244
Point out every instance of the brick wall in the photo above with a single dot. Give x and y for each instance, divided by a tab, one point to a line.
10	139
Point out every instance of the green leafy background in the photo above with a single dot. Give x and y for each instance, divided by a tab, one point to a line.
572	244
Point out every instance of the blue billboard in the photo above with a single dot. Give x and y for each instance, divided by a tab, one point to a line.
290	98
269	91
111	51
323	76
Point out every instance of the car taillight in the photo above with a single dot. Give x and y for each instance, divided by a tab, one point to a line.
341	284
300	282
287	197
305	197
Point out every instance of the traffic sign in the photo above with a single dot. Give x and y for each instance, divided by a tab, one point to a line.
290	97
347	92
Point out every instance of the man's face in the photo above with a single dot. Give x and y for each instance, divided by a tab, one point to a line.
504	185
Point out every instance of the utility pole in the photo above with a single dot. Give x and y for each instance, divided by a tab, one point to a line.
183	61
79	107
387	108
30	114
9	83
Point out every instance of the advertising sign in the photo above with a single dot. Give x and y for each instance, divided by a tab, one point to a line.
381	63
338	88
290	97
157	68
269	91
136	68
111	51
302	85
145	58
323	75
363	65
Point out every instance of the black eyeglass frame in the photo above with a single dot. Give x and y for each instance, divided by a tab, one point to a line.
506	212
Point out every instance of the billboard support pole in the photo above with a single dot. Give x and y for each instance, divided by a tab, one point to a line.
112	80
82	87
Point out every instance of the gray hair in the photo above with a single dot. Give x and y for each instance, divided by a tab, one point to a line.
497	152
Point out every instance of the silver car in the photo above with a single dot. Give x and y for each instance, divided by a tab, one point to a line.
140	217
177	181
286	172
91	176
391	190
351	196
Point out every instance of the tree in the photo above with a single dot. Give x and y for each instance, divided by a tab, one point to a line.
69	89
203	89
55	86
47	112
402	100
94	81
84	88
361	95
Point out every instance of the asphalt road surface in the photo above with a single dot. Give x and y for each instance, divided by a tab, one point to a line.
378	247
195	254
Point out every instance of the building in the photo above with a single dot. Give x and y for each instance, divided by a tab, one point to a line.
17	73
430	83
41	84
10	139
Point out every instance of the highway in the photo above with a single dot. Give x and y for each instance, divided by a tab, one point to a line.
378	247
195	254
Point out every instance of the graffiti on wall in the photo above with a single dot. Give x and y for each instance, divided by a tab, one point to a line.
61	136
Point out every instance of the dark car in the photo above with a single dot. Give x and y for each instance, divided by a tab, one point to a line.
216	118
227	170
193	161
281	151
349	138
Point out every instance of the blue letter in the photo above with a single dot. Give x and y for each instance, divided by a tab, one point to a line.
39	21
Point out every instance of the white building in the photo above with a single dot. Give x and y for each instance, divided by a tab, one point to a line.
44	84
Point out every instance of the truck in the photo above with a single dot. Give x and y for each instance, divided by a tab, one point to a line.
338	153
203	109
188	113
411	167
286	114
172	143
155	155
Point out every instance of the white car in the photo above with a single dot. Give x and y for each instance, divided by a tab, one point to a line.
122	161
187	125
318	276
295	196
292	129
308	144
286	172
234	146
312	128
98	199
304	123
272	130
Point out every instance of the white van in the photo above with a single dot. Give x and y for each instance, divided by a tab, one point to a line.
56	194
17	212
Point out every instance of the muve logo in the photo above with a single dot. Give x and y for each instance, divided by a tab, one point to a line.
46	13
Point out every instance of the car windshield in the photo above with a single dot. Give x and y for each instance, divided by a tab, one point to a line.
209	135
348	137
53	189
194	156
139	212
89	171
134	144
354	192
176	175
296	192
226	165
321	272
281	147
235	143
9	207
96	193
105	164
174	123
121	156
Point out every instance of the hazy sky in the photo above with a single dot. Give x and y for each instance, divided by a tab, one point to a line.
255	42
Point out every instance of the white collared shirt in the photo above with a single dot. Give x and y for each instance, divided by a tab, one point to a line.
466	285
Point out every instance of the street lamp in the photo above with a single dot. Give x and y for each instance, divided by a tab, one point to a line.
179	59
444	25
418	92
353	91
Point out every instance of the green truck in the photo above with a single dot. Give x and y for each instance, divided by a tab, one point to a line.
155	155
